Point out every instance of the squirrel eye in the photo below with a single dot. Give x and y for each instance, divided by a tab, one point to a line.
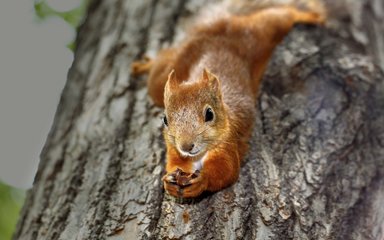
209	115
165	121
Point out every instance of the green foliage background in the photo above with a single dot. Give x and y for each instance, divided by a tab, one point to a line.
72	17
11	198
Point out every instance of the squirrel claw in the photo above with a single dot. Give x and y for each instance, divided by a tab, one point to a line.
195	188
172	188
182	184
171	177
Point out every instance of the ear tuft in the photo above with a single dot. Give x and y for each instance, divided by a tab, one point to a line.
171	83
206	74
211	79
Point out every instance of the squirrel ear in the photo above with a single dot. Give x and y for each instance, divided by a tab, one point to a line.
171	83
212	80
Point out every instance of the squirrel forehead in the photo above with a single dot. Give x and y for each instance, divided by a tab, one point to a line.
185	117
187	104
187	94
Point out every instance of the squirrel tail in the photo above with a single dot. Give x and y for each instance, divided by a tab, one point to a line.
214	11
242	7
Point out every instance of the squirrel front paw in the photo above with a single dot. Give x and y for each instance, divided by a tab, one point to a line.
185	185
195	187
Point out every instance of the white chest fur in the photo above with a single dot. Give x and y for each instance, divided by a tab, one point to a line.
198	164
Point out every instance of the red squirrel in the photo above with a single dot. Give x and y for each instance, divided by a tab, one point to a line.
209	86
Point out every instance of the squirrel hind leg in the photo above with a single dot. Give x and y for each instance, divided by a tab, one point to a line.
142	66
308	17
281	20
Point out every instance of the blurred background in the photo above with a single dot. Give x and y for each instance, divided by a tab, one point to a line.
36	43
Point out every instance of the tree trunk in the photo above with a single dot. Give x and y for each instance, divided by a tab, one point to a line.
314	170
361	21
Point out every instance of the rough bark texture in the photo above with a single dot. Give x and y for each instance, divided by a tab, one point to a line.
363	21
315	169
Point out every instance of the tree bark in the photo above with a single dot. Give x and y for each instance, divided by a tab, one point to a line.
314	170
361	21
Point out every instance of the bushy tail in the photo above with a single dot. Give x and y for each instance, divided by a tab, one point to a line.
240	7
216	11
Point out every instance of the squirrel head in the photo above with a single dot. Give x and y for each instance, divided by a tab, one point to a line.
195	115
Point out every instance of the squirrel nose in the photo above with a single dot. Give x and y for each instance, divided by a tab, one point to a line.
187	147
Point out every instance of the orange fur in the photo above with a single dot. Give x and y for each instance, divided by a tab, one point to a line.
219	66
